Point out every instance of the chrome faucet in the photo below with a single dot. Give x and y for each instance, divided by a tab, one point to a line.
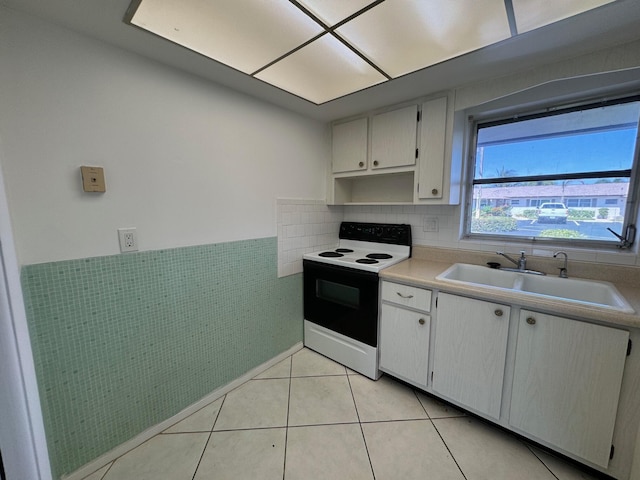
563	270
521	262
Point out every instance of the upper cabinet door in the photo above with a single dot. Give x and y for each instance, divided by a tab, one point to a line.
349	146
432	148
393	138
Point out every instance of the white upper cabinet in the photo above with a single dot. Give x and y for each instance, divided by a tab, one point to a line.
399	155
393	138
439	168
432	148
349	146
567	382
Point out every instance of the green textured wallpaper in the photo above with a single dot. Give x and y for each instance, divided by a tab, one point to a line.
124	342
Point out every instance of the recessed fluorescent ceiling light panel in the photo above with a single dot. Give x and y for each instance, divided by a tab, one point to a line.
321	50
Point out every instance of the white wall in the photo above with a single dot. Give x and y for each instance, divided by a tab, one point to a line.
22	440
186	162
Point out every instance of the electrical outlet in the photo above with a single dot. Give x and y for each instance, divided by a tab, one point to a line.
430	224
128	239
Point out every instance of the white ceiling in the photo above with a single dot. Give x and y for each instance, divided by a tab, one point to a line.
602	27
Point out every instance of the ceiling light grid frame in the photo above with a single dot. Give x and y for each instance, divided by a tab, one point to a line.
322	51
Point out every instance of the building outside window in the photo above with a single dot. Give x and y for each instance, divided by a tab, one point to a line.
572	166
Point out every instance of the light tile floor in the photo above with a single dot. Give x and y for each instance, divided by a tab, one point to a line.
311	418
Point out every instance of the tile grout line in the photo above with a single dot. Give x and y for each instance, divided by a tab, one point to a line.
107	471
441	438
126	453
286	429
206	444
353	397
539	459
449	450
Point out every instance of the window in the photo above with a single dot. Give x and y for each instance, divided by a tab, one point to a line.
582	202
536	202
567	159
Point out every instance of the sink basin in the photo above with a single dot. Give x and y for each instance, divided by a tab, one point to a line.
492	277
587	292
577	290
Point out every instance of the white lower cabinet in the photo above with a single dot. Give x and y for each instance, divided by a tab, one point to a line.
404	344
405	330
469	352
566	383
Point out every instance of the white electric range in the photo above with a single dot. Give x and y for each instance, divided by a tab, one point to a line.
341	292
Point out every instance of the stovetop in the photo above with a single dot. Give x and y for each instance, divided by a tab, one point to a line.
367	246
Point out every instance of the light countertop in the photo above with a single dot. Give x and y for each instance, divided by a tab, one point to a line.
423	273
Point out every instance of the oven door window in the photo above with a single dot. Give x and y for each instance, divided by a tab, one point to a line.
338	293
344	300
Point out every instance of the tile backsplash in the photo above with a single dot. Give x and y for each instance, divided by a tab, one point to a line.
431	226
304	226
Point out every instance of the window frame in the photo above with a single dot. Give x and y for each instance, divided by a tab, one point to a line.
518	113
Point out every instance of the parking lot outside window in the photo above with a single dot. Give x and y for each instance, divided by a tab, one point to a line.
562	175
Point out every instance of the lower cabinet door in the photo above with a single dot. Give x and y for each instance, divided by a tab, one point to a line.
470	352
567	382
404	344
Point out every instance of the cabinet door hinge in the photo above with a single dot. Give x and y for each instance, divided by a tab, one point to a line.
418	117
436	302
629	345
431	376
613	449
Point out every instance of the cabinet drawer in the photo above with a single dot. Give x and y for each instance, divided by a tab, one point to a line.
413	297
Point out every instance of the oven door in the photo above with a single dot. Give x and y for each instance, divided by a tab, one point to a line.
341	299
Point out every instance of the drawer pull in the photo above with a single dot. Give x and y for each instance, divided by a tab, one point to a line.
434	191
361	164
404	296
421	321
531	321
498	313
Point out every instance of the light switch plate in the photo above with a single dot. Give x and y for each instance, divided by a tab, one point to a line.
93	179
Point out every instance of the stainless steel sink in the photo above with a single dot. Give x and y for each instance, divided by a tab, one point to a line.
586	292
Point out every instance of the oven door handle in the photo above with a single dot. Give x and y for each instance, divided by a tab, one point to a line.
404	296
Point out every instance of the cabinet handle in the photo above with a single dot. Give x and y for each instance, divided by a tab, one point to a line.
421	321
404	296
531	321
361	164
498	313
434	191
375	163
